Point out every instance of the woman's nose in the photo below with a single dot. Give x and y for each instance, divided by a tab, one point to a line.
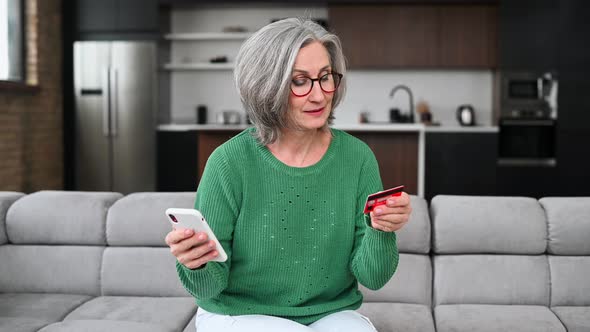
316	94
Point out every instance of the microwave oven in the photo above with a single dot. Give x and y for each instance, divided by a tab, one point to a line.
529	95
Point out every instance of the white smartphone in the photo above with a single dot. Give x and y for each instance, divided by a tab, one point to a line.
193	219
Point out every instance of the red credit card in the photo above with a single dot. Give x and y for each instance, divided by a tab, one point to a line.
380	198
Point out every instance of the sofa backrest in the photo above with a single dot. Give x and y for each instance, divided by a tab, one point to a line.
137	260
489	250
7	198
55	242
569	249
412	282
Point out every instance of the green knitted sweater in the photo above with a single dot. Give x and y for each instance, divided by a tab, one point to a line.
296	238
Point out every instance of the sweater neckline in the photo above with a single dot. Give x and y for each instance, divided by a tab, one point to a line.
295	171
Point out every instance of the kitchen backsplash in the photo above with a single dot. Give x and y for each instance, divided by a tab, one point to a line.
443	91
368	91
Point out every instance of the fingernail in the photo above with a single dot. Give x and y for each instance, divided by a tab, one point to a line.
378	211
390	201
188	231
211	244
202	237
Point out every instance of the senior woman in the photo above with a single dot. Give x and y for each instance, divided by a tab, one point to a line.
285	199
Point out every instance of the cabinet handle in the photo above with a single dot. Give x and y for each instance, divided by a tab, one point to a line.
106	100
114	102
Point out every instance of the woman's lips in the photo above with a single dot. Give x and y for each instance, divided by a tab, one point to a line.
316	111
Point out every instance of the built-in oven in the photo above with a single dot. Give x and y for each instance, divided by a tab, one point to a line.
528	119
527	142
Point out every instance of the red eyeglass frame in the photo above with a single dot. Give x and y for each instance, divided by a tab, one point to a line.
318	80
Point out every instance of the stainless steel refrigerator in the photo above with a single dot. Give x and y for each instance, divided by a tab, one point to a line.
115	90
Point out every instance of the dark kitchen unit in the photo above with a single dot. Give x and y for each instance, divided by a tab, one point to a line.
528	118
527	133
547	35
461	161
177	160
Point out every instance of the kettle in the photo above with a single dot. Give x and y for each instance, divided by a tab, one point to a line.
466	115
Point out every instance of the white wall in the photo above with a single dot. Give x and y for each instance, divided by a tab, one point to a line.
215	88
368	90
442	90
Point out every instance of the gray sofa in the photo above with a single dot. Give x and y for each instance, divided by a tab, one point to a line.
89	261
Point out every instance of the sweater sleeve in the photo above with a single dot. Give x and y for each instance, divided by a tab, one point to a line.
218	199
375	255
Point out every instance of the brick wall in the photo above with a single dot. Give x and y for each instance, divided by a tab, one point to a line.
31	147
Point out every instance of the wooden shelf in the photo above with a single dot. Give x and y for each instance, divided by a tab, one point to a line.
196	36
198	66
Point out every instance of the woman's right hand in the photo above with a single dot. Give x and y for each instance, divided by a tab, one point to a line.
191	249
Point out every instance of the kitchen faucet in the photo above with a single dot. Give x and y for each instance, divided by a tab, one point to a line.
411	98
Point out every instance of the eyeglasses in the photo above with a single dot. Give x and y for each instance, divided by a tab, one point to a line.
301	85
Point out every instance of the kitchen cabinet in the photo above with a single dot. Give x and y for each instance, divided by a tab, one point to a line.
573	130
574	67
396	153
573	46
208	141
573	100
542	35
460	163
573	163
109	19
467	36
177	161
528	181
380	36
391	36
528	34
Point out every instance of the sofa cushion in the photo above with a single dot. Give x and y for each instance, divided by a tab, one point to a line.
472	224
139	219
29	312
140	272
414	237
60	217
50	269
21	324
94	325
48	307
495	318
491	279
570	280
569	225
398	317
411	283
7	198
575	319
169	312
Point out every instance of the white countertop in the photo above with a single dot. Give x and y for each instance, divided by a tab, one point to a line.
394	127
381	127
191	126
459	129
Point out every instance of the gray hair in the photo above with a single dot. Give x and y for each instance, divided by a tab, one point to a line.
263	70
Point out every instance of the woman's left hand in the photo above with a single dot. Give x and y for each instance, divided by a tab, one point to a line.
393	215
